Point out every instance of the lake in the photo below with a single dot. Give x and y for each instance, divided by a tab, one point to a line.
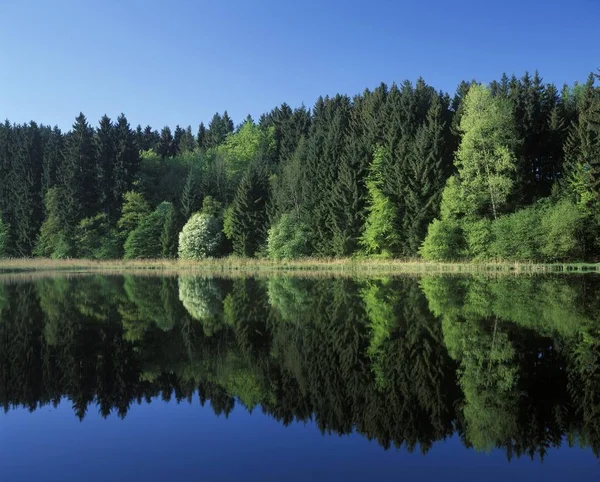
278	378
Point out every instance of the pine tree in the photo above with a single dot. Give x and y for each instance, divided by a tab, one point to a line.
177	140
187	142
24	184
78	173
428	168
104	143
126	166
228	126
189	196
150	139
53	158
381	234
582	150
201	139
164	148
248	222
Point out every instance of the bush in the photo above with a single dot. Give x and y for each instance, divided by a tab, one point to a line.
444	241
479	237
562	227
200	237
517	236
154	236
95	240
288	239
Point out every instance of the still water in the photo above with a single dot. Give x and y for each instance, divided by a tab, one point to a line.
282	378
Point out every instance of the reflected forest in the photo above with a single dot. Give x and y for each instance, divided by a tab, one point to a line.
501	361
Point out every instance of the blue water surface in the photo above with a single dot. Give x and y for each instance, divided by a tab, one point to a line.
185	441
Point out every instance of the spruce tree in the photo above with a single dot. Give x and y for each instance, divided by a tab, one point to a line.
53	158
78	173
164	147
104	143
201	139
429	165
126	166
177	140
248	220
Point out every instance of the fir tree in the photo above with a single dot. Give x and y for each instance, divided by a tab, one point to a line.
248	221
164	147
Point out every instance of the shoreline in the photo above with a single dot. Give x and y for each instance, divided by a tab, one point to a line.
309	266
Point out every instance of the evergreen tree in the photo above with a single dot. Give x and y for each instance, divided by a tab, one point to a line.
247	223
150	139
428	168
135	209
164	147
187	142
126	166
201	139
177	140
53	158
380	236
77	175
105	143
4	234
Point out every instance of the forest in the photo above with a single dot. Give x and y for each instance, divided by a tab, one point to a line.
501	362
504	171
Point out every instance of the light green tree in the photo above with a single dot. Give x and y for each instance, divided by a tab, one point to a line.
380	235
200	237
485	159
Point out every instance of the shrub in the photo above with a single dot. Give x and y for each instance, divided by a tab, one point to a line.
200	237
444	241
154	236
479	237
288	239
562	228
95	240
517	236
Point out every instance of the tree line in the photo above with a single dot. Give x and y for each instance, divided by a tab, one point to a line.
509	170
404	361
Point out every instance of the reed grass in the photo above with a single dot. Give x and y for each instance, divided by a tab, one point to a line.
230	265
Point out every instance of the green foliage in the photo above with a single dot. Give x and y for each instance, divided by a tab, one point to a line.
135	209
444	241
55	240
485	159
154	236
478	235
94	239
288	238
521	148
517	236
203	300
200	237
246	223
562	228
380	235
3	238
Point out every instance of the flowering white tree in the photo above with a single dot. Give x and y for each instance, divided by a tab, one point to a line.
200	237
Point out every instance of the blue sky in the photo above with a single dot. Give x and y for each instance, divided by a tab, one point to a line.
177	62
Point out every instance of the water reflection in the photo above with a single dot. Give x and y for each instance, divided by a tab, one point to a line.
504	362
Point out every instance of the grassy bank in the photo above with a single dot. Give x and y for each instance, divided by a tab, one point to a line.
307	266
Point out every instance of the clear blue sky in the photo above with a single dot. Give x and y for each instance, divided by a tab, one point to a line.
177	62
